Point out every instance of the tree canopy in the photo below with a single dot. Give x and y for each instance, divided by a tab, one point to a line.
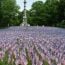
49	13
8	12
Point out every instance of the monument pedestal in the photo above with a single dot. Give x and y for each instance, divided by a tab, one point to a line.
24	16
25	24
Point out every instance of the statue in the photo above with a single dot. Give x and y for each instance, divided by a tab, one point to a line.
25	16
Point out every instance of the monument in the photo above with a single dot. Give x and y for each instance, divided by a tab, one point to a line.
24	16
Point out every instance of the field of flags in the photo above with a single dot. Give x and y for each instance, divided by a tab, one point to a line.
32	46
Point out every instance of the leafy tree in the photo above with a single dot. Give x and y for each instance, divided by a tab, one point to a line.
44	13
8	12
61	11
51	12
36	13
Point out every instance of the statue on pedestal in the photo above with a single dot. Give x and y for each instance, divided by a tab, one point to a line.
24	16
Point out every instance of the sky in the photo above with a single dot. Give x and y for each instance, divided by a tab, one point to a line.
28	5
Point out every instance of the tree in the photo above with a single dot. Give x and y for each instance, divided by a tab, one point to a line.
36	13
51	12
8	11
61	10
44	13
20	17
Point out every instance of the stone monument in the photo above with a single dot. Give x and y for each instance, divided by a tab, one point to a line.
24	16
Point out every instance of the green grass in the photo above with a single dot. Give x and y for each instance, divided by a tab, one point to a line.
4	61
53	62
45	62
38	54
28	58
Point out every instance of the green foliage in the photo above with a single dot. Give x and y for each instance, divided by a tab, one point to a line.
44	13
8	12
5	59
49	13
45	62
36	13
61	24
28	58
53	62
